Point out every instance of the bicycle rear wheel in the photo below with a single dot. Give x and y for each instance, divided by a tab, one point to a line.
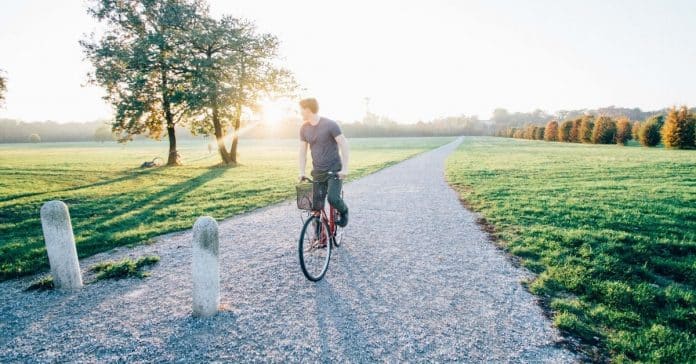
314	248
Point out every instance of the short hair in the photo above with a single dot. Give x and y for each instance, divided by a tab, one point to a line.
311	104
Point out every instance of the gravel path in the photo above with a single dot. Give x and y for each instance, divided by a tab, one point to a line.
416	280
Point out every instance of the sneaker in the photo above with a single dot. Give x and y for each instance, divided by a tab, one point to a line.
343	221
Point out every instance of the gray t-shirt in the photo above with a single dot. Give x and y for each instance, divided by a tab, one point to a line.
322	142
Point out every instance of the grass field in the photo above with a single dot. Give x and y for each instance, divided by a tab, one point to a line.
112	202
611	231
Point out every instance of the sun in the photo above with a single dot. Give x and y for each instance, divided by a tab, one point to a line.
273	112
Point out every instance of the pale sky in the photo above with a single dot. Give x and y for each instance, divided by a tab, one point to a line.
416	60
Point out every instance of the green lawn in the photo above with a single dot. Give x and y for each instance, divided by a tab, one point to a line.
610	230
112	202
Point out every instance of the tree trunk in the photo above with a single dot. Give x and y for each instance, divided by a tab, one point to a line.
219	137
173	159
235	136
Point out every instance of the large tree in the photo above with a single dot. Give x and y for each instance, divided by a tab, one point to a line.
141	62
232	67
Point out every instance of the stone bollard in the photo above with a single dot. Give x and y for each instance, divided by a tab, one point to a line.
60	245
205	267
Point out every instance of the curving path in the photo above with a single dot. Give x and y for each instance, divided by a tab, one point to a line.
416	280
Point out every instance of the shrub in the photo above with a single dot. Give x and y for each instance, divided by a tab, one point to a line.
551	131
564	131
649	132
539	133
635	129
678	130
529	132
623	131
586	127
604	131
575	131
35	138
519	134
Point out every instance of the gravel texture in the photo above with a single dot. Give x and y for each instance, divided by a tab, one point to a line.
415	280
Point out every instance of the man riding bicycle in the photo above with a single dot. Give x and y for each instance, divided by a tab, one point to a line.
324	138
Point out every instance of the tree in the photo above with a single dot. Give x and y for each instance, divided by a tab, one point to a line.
649	133
232	68
604	131
103	134
35	138
586	127
539	133
3	88
551	131
529	132
139	61
574	135
678	130
623	131
564	131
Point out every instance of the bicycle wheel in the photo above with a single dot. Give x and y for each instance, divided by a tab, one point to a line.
314	248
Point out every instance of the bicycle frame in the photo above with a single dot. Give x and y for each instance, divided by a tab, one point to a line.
330	219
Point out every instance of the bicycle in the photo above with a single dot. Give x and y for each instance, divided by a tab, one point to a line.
319	232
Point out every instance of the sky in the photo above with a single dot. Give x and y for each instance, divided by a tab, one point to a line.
414	60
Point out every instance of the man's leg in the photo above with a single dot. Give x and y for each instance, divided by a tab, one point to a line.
334	195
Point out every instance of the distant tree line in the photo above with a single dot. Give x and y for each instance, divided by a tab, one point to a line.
675	129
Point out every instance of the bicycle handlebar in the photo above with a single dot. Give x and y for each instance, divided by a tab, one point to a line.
331	174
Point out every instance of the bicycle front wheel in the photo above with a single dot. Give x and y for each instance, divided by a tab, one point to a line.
314	248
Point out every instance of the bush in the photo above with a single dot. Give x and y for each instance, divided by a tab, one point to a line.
35	138
575	131
678	130
649	132
519	134
564	131
604	131
635	129
586	127
551	131
623	131
539	133
529	132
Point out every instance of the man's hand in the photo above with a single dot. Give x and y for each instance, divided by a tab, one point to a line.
342	174
301	178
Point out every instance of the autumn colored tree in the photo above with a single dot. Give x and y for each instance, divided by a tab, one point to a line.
649	132
678	130
586	127
564	131
575	131
551	131
604	131
623	130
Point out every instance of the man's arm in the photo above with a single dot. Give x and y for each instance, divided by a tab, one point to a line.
303	158
345	155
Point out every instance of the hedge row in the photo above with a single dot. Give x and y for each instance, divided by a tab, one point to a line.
676	130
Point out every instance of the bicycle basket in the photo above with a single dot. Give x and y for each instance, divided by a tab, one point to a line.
307	199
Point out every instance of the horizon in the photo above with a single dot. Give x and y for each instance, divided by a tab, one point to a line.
519	57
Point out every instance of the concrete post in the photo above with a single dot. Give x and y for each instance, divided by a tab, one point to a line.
60	245
205	267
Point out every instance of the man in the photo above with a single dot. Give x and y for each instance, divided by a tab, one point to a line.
324	138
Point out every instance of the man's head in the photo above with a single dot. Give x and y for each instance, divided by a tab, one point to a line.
309	108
